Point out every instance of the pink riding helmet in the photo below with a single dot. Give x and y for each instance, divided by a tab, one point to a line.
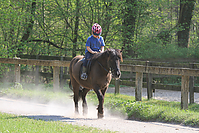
96	29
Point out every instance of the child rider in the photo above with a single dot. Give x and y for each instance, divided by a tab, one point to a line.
94	44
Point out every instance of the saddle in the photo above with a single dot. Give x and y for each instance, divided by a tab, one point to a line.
88	66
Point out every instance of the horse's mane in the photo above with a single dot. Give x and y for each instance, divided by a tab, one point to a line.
115	51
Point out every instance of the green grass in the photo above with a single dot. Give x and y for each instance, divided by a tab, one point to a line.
18	124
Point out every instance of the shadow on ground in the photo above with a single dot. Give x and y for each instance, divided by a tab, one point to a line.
56	118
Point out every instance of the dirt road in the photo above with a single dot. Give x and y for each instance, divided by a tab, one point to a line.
55	112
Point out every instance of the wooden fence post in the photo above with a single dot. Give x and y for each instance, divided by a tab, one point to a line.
117	86
37	76
184	92
191	86
17	73
56	70
61	75
138	86
37	73
149	82
65	73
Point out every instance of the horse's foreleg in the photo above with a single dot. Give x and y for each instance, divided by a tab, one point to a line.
101	101
104	91
84	103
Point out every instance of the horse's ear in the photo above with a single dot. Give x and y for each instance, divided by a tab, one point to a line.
121	54
108	51
122	49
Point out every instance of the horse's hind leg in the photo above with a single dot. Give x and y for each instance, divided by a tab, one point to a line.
76	94
84	103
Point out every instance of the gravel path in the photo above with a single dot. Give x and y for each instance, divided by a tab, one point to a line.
55	112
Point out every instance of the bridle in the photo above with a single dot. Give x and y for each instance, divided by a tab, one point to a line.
108	71
110	68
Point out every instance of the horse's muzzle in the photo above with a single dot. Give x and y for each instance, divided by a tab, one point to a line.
116	74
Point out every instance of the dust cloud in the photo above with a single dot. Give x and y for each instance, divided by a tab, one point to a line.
34	107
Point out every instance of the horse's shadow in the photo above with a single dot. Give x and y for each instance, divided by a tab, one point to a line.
56	118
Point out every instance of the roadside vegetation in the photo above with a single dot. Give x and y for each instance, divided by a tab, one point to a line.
147	110
152	110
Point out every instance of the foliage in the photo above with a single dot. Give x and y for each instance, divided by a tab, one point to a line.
153	50
27	27
19	124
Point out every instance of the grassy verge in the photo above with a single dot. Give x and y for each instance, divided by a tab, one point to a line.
147	110
18	124
152	110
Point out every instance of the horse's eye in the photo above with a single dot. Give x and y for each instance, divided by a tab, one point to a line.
115	58
118	58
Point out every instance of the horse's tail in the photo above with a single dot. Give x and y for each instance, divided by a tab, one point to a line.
70	86
73	61
80	90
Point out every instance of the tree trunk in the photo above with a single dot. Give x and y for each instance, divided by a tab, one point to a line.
76	28
28	28
107	20
30	24
184	21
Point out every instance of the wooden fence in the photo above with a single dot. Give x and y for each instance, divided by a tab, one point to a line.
186	74
55	63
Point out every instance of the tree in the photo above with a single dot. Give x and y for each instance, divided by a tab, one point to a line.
184	21
128	25
28	27
61	27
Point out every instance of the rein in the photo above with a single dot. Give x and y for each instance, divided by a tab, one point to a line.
104	67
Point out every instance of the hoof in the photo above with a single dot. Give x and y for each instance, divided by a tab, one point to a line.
100	116
85	113
76	112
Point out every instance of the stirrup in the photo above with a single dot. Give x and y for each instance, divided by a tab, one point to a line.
84	76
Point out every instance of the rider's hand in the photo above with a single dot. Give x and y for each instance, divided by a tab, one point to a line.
95	52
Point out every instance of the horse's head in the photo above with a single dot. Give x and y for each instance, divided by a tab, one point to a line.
115	56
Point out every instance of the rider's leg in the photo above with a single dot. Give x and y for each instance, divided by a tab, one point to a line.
84	75
88	56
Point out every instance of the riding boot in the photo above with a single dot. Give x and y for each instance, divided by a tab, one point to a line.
84	75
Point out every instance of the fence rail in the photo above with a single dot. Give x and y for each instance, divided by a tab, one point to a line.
160	70
36	62
187	75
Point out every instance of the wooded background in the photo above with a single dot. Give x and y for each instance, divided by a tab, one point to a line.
146	28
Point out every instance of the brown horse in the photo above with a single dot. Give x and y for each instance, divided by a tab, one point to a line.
103	67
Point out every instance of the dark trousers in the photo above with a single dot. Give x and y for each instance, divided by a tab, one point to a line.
88	55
